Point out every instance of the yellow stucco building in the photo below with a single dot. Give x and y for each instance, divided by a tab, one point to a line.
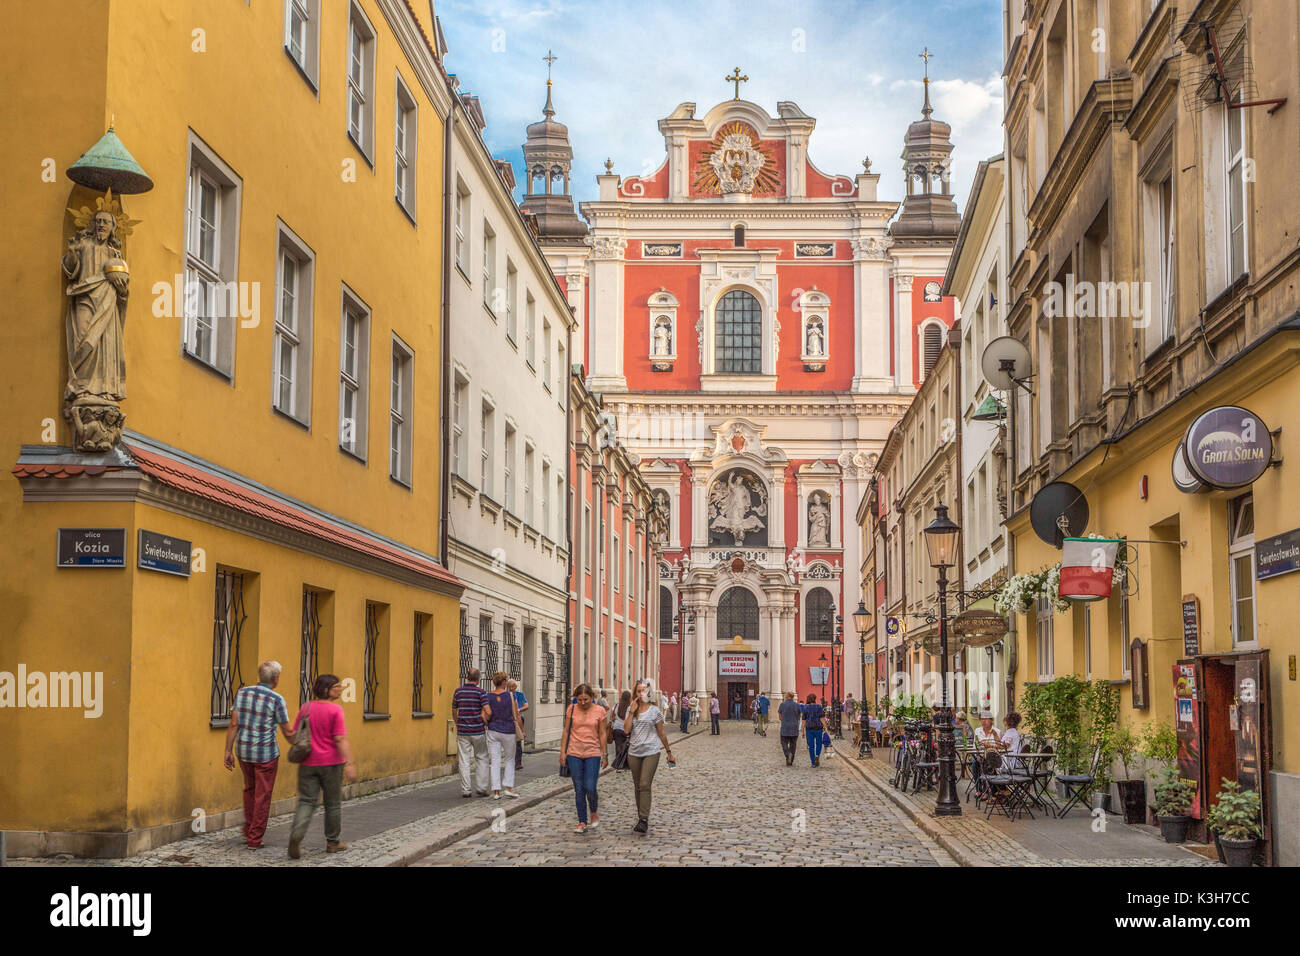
282	438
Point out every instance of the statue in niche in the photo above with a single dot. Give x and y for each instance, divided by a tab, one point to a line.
98	287
816	339
737	507
663	340
819	520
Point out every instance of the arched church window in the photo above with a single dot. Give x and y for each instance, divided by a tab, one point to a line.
932	346
739	335
665	614
816	606
738	615
738	236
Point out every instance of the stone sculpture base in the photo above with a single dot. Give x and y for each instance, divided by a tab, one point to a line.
96	424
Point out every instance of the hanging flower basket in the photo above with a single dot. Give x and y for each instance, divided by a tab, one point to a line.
1022	591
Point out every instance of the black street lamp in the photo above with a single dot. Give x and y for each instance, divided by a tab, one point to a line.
862	624
822	659
941	544
837	681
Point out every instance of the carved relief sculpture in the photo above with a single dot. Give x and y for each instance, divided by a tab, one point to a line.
816	338
663	337
737	507
98	288
819	520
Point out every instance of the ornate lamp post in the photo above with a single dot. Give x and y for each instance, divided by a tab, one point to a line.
941	543
861	624
822	663
837	680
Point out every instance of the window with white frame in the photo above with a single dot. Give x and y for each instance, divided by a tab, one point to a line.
489	267
931	346
1168	276
559	377
1125	635
529	458
459	424
546	499
1046	653
399	413
462	228
302	37
512	295
1241	557
361	82
486	436
588	527
404	142
738	335
546	354
291	351
1087	641
211	300
614	563
530	319
508	469
561	499
1235	169
354	376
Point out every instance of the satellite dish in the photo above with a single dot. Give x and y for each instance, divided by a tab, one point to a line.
1184	480
1005	362
1059	511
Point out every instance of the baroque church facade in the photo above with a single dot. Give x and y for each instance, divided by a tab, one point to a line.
755	326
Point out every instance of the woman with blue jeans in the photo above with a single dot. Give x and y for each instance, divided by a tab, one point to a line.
812	725
582	751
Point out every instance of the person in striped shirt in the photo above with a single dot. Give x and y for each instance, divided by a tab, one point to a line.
257	711
470	704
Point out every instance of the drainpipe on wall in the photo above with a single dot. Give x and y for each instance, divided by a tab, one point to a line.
448	381
568	525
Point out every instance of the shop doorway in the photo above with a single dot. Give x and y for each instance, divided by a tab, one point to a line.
1233	733
744	692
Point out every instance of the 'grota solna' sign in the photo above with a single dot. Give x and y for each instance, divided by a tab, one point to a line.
1228	447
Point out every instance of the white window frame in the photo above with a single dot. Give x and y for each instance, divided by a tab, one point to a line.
530	319
546	353
530	458
507	467
359	71
1242	546
400	409
354	375
405	143
304	31
546	498
614	563
461	225
512	293
487	435
1046	645
459	410
489	267
211	294
1234	163
1168	215
293	327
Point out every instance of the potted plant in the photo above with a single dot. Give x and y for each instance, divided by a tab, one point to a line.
1102	711
1234	818
1173	801
1160	743
1124	746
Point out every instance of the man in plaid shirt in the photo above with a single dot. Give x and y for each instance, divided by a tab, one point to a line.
258	709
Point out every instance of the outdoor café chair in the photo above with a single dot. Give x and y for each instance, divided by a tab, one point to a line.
1078	786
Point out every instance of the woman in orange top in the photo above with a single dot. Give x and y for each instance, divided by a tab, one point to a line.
582	751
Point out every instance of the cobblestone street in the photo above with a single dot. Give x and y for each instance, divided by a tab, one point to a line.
731	800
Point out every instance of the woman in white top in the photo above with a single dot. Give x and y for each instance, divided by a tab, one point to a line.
985	734
646	739
1012	742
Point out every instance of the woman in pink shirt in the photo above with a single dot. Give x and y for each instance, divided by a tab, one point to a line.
324	769
582	751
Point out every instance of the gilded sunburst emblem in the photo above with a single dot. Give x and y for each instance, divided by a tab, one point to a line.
736	162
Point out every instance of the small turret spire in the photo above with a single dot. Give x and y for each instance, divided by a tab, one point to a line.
548	109
925	55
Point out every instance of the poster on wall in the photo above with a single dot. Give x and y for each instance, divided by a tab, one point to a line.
1188	727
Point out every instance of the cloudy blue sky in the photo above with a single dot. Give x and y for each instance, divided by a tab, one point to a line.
851	64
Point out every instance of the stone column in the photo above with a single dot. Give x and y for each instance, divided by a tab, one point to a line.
871	340
699	508
773	661
706	626
606	324
776	508
905	335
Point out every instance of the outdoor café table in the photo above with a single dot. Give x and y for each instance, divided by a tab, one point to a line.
1038	767
1011	788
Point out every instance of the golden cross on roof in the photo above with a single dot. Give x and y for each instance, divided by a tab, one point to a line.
737	79
925	56
549	58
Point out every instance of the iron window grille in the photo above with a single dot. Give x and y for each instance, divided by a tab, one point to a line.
550	674
562	680
739	335
227	628
489	651
309	661
417	669
514	654
817	606
371	657
466	652
738	615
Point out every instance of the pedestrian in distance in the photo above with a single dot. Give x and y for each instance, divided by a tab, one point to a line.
501	718
663	704
761	706
582	752
602	700
790	714
684	712
257	711
813	713
672	707
697	705
471	735
616	719
646	740
522	703
715	714
323	771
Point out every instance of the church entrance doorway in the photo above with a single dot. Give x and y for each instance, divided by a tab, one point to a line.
737	682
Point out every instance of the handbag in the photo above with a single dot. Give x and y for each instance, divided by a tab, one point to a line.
568	718
300	749
519	718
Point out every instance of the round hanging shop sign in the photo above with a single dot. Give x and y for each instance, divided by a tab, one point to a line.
1228	447
1184	480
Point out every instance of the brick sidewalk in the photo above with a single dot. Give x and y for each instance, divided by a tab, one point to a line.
388	828
1042	841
